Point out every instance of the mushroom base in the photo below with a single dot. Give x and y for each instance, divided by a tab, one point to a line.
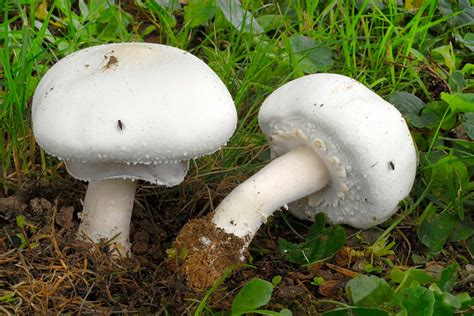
107	213
209	252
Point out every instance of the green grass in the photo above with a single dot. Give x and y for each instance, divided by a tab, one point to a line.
423	52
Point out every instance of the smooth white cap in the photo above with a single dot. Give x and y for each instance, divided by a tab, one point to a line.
131	110
362	139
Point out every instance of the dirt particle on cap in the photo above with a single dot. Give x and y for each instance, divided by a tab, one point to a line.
112	62
391	165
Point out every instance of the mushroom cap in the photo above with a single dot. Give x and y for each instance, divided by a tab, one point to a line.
131	110
362	139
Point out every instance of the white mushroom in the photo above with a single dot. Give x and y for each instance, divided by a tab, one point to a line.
341	150
118	113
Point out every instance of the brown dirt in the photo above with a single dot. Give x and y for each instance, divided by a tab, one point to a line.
208	250
45	271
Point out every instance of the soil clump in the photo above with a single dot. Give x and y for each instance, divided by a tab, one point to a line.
207	251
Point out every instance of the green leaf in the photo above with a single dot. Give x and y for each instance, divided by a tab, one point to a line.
464	12
356	311
311	55
439	108
318	226
397	275
457	82
468	124
418	259
254	294
435	230
417	301
276	279
463	230
406	103
272	21
409	277
241	19
425	120
23	240
165	14
8	298
97	6
198	12
382	247
468	69
317	281
449	178
465	299
83	8
447	280
411	107
460	102
321	243
468	40
445	304
285	312
112	23
148	30
170	5
448	57
21	221
368	291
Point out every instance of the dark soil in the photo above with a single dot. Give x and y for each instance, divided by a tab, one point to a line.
45	270
207	252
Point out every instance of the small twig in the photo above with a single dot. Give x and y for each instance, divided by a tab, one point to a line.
85	297
343	305
7	313
291	227
343	271
53	235
301	284
408	244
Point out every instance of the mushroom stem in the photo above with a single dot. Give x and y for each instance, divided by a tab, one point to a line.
107	212
288	178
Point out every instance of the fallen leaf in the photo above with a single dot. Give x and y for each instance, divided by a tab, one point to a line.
331	288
